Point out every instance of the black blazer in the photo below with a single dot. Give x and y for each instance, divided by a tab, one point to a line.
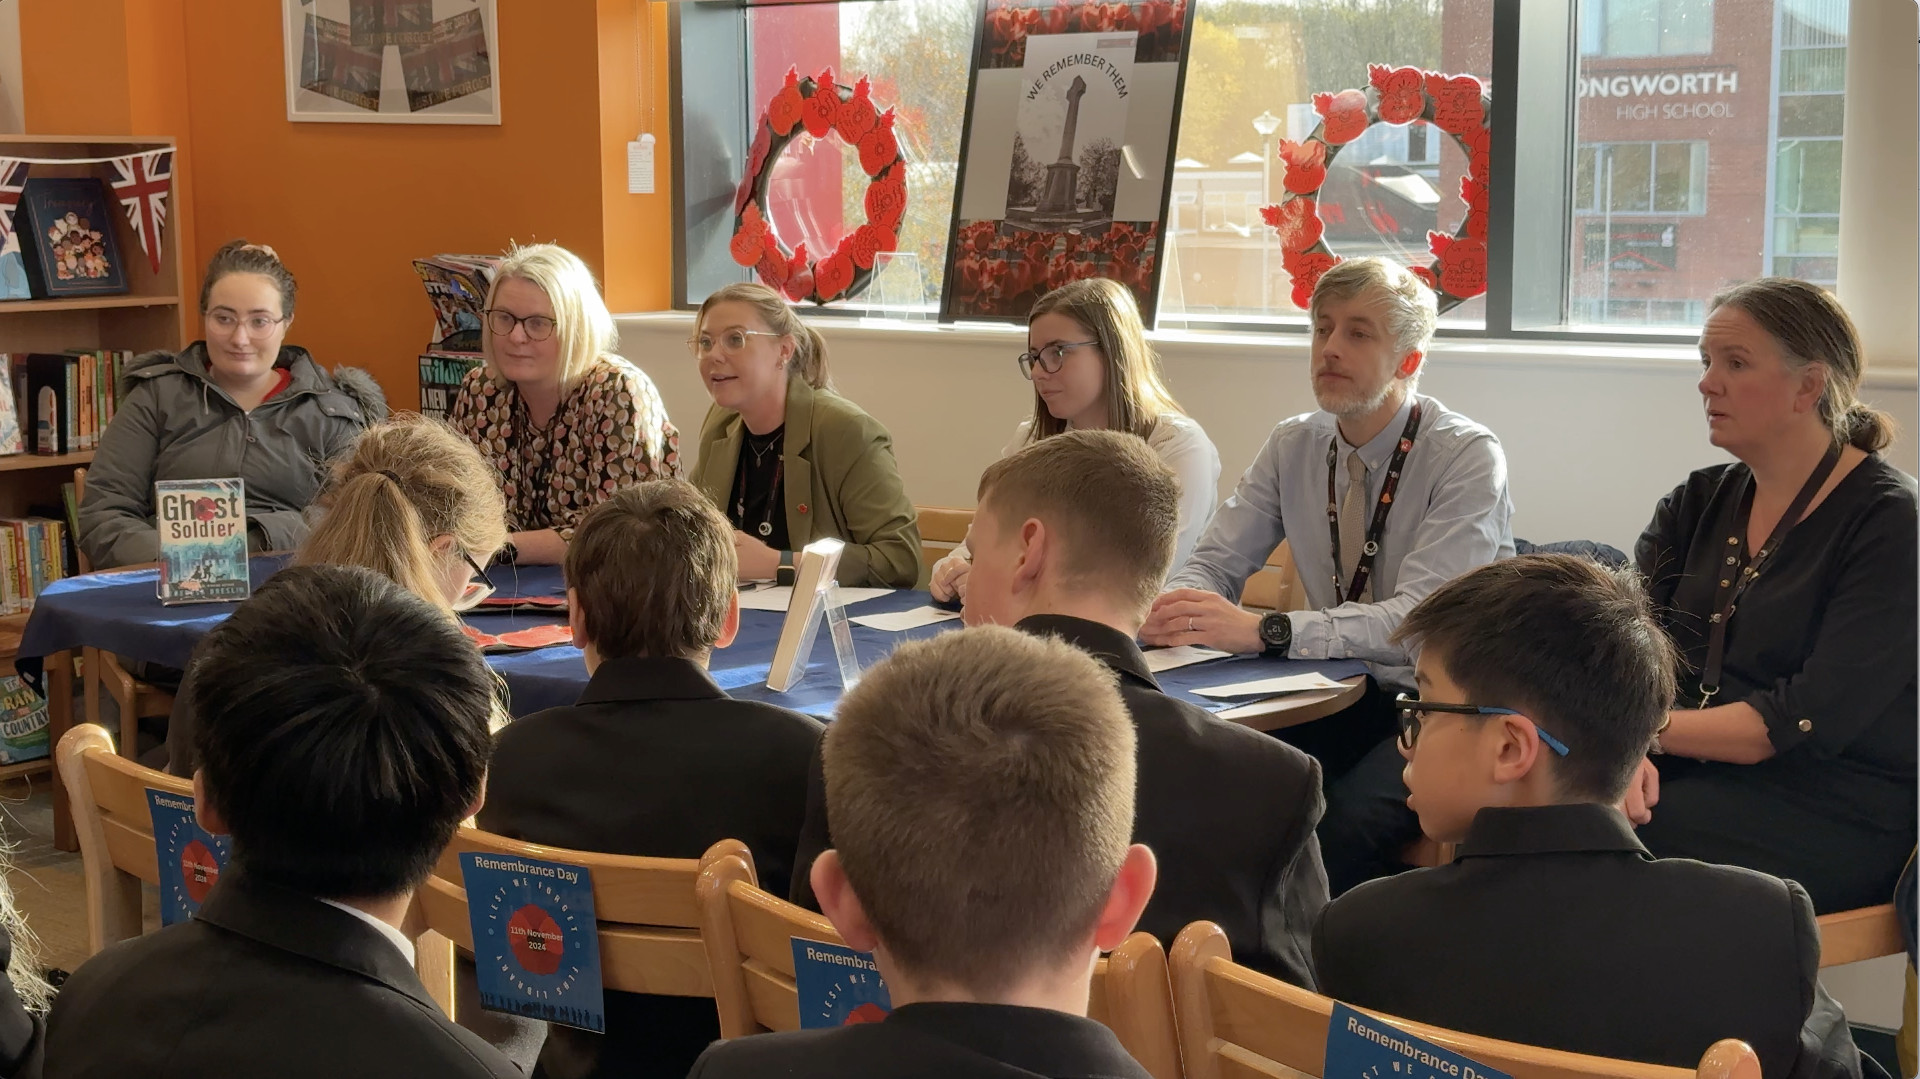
21	1031
933	1041
1556	928
1228	811
655	760
265	981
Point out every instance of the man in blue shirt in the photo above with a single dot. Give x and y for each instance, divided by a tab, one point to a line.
1384	495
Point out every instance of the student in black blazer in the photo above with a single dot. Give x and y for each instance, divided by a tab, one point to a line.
332	687
1229	812
655	759
981	785
1544	680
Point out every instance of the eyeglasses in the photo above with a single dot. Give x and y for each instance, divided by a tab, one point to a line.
479	571
502	322
730	343
1412	710
256	325
1048	359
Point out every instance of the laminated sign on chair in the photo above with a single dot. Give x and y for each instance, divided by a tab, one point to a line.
191	858
536	943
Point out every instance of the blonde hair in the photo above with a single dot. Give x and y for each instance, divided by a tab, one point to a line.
1809	326
1136	393
1413	312
982	821
403	483
809	348
581	321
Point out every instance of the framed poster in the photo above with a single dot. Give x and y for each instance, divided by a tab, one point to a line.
1067	153
392	61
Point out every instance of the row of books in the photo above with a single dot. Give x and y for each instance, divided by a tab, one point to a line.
34	552
53	403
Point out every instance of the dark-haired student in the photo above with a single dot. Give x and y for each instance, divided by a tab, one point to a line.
1229	811
342	738
655	759
944	787
1542	681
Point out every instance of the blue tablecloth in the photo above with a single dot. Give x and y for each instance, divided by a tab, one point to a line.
119	612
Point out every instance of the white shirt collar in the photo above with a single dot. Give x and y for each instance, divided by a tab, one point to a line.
398	938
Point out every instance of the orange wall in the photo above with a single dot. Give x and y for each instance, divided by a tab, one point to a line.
349	206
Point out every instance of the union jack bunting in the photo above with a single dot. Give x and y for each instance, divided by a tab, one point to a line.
142	181
13	177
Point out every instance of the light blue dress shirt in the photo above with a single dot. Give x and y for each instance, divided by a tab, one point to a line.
1450	514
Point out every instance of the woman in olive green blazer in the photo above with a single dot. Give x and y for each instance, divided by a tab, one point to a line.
788	460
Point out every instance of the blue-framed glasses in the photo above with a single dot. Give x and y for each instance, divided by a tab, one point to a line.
1412	709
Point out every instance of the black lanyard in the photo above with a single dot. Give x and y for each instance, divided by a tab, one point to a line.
1740	572
774	500
1363	569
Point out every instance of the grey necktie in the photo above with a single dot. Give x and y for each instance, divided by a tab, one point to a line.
1353	527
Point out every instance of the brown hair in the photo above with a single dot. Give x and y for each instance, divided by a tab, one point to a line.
653	570
1565	642
1114	504
1809	326
239	256
809	348
981	821
1136	393
404	482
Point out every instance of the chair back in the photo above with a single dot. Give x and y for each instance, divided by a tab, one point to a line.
107	794
649	921
1235	1022
1275	587
1850	936
941	530
749	939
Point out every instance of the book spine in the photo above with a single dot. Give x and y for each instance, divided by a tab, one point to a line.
11	560
65	442
36	569
85	405
22	580
57	556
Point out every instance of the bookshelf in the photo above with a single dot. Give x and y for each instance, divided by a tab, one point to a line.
151	314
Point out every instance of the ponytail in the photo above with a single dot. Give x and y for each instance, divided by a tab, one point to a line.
1867	428
809	355
370	522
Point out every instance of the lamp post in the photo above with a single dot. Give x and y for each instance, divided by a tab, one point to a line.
1266	124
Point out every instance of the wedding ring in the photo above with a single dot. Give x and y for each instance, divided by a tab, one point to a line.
1190	628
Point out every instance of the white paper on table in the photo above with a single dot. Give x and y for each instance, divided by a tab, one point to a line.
1185	655
1292	683
777	597
901	621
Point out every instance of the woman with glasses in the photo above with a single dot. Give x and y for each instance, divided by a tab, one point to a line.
238	402
410	499
787	460
565	421
1091	368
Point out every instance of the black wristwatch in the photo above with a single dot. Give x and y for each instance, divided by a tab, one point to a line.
1276	632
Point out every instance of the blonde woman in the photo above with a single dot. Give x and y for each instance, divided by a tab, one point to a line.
1091	368
411	500
788	460
564	420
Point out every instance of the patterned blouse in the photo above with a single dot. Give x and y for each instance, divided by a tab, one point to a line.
611	432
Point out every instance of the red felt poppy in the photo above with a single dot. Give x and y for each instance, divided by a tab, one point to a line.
1456	102
1296	222
822	107
784	111
1402	92
1306	165
857	114
877	147
1344	115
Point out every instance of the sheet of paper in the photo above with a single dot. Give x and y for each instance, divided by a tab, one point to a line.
1185	655
777	597
901	621
1264	687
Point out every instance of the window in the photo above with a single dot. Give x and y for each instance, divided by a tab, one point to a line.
1646	27
1702	146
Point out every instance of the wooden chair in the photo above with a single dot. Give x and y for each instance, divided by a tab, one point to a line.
1851	936
649	921
137	700
1236	1023
1277	587
108	795
941	530
749	935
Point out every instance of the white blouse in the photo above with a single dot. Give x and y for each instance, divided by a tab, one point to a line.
1184	447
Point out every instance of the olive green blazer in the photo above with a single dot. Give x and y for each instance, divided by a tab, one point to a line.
841	481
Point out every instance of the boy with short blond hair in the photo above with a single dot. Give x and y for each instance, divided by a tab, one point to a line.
1544	681
655	759
981	854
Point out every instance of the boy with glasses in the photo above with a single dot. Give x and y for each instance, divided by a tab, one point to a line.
1544	681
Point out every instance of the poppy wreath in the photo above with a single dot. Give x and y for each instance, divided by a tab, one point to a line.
1457	105
819	107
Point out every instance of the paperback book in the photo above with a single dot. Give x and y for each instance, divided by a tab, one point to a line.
536	944
191	858
203	540
23	722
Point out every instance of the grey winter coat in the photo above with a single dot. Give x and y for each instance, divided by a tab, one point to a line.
176	424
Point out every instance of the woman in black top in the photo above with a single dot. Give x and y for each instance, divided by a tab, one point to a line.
1791	750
